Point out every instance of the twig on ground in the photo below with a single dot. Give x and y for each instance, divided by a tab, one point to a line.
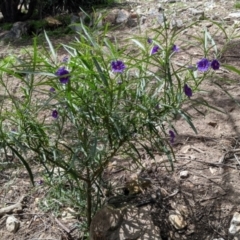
67	230
222	158
214	164
210	198
15	207
197	149
236	157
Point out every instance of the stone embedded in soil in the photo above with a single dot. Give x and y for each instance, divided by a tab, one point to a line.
122	16
177	220
184	174
213	170
234	15
12	224
176	23
182	209
235	225
128	223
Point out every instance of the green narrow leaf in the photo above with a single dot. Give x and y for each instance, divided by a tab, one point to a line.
101	74
24	163
87	34
188	120
139	44
51	48
232	68
205	40
72	51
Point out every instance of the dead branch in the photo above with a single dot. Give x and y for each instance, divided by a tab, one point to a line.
13	208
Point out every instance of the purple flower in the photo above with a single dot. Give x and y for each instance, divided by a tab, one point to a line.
52	90
187	90
61	73
40	182
203	65
55	114
149	40
175	48
155	49
215	64
118	66
172	136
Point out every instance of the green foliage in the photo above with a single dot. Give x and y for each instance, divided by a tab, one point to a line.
237	5
76	115
6	26
37	26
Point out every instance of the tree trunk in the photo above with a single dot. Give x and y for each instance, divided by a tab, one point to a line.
11	13
31	8
9	10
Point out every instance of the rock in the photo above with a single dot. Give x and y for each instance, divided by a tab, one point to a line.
233	15
110	17
17	31
52	22
195	12
213	170
161	18
12	224
184	174
182	209
129	223
176	23
105	222
122	16
234	228
177	220
19	28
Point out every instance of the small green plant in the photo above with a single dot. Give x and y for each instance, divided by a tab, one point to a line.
37	26
6	26
99	102
237	5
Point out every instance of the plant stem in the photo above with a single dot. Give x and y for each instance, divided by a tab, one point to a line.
89	199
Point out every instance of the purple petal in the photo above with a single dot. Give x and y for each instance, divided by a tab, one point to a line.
203	65
149	40
55	114
52	90
155	49
187	90
175	48
215	64
172	136
118	66
61	73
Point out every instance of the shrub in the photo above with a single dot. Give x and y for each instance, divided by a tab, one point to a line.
76	114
